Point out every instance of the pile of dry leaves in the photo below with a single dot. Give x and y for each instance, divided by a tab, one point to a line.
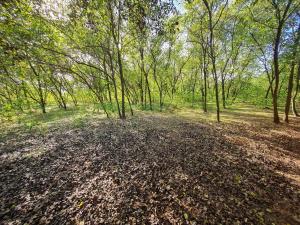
151	170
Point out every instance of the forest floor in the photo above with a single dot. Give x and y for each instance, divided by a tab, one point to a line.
154	168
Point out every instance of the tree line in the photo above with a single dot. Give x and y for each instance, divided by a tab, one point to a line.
122	54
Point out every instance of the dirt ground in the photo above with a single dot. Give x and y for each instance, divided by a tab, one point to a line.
152	169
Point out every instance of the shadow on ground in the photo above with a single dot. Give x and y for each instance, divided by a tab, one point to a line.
152	170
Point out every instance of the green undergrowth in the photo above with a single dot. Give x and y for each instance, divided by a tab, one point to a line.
35	121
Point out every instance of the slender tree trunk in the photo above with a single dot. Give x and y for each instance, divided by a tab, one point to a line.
116	95
281	20
25	96
289	93
296	92
141	84
145	74
100	100
130	106
193	94
107	79
70	91
145	99
116	32
223	92
204	93
276	76
41	96
149	92
217	95
58	94
141	89
43	107
268	91
64	104
159	86
114	83
129	101
205	89
63	101
123	116
205	81
109	91
228	89
160	99
291	78
213	59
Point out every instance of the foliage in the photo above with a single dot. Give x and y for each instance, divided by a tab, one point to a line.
127	55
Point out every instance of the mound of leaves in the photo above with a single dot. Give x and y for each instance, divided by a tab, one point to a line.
152	170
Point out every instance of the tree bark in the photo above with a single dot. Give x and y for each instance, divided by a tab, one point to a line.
291	78
116	32
212	56
295	112
276	75
223	93
281	20
289	94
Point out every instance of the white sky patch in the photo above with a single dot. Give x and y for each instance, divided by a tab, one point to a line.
55	9
179	4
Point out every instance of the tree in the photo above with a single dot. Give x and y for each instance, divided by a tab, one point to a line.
215	11
295	53
279	13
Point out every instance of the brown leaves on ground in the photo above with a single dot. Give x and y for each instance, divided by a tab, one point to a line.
152	170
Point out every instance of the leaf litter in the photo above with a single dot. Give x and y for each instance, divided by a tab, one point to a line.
151	170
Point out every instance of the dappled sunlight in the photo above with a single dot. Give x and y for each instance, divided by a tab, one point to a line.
165	169
294	177
149	112
28	153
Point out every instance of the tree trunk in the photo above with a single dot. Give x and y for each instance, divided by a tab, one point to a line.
108	89
205	91
291	78
63	101
213	59
149	92
223	92
289	94
100	99
43	107
281	20
114	83
276	75
160	99
141	89
123	116
141	84
204	70
128	99
217	98
296	92
116	32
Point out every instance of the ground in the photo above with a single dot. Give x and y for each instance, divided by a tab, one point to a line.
154	168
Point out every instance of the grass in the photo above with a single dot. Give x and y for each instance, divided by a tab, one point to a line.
78	116
239	112
54	118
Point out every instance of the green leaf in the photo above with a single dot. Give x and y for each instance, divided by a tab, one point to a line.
186	216
80	205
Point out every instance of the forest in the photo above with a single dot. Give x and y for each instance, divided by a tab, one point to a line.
149	112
